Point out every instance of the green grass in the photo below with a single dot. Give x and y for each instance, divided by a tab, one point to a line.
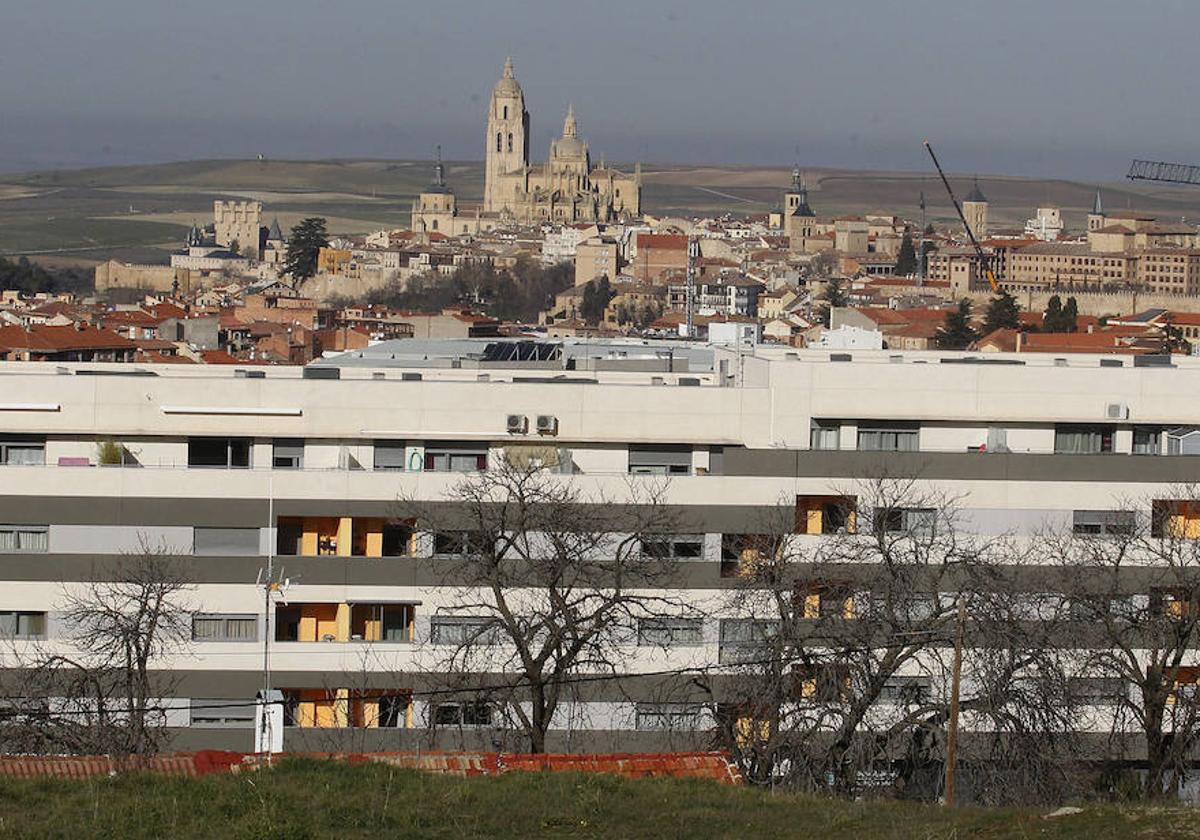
309	799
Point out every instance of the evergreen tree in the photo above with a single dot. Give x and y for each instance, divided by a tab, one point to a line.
1002	313
1070	315
1052	318
906	260
834	295
956	332
596	295
305	243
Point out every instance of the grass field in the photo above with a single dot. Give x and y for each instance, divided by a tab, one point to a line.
307	799
145	210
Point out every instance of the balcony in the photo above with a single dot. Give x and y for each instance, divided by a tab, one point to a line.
341	708
377	622
346	536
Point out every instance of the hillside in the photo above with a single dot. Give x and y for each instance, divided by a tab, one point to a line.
141	212
316	800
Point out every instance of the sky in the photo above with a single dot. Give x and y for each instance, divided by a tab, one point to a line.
1054	88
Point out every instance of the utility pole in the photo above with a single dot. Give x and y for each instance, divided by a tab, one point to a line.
955	685
693	253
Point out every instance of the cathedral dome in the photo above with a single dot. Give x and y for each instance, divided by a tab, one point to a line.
508	84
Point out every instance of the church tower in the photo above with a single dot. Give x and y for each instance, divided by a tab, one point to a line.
975	209
507	139
1096	219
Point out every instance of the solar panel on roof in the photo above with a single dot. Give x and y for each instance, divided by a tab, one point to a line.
521	351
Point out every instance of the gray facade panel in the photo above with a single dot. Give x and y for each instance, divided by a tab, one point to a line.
966	466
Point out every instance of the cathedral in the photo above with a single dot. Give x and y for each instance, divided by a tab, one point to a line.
566	188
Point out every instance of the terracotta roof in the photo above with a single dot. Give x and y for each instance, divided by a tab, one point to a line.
40	338
669	241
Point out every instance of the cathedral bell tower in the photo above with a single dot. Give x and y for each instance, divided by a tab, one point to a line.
507	140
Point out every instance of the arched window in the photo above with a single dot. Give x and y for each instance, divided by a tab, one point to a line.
510	141
435	224
499	142
505	112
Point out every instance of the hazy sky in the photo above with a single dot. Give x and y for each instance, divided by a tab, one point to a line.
1053	87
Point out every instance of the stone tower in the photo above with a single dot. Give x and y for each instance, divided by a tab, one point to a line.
507	140
240	222
975	208
1096	218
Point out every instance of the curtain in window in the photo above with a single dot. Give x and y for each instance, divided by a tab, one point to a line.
33	541
241	629
8	540
26	455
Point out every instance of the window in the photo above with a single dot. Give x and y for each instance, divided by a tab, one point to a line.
660	460
222	712
667	547
1083	440
1096	691
510	143
211	627
34	539
823	600
1147	440
1103	523
905	691
460	543
16	624
1175	518
826	514
742	554
451	457
744	639
668	716
1183	440
505	112
393	710
670	632
287	455
825	434
888	437
390	455
463	629
225	542
821	683
228	453
381	622
19	450
499	142
917	521
475	713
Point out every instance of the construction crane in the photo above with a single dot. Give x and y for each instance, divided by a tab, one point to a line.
1157	170
983	258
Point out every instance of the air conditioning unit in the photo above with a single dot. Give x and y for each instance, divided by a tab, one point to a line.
518	424
1116	411
547	424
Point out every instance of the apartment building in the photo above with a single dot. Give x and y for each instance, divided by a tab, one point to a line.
309	466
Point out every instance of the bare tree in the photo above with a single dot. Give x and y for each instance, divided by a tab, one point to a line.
98	689
838	663
547	578
1132	584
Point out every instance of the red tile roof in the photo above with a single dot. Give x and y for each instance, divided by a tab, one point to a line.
46	339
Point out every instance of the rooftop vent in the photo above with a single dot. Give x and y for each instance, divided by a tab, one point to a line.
410	377
1112	363
688	381
322	373
1156	360
378	375
840	357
